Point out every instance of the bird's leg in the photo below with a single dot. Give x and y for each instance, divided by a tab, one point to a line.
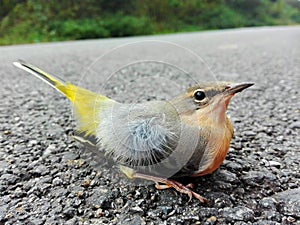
163	183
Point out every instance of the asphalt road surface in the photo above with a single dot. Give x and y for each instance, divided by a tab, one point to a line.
46	177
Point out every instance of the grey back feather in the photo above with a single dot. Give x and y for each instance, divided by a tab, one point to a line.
150	138
139	134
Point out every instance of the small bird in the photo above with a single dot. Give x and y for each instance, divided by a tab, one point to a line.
187	136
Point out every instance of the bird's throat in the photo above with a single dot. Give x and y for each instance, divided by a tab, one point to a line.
215	112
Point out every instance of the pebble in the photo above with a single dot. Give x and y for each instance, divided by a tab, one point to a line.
49	150
266	222
241	213
57	181
271	215
275	164
295	125
40	170
268	203
37	221
234	166
9	179
137	209
240	223
257	177
3	210
249	133
69	156
73	221
132	220
211	220
254	177
166	209
100	199
226	176
69	212
289	202
99	213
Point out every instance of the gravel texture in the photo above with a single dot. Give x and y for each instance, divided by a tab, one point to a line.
46	177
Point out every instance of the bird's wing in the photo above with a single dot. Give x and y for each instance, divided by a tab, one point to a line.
138	134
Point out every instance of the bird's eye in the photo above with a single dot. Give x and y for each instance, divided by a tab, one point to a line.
199	95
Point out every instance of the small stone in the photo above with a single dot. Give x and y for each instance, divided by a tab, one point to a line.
77	202
226	176
8	216
270	176
271	215
99	213
32	142
238	146
37	221
73	221
69	212
50	149
223	185
289	201
7	132
249	133
291	219
3	211
240	213
3	165
40	170
154	213
257	177
132	220
166	209
295	125
100	199
56	207
234	166
79	194
57	181
266	222
275	164
240	223
19	193
86	183
137	209
9	179
69	156
212	220
253	177
268	203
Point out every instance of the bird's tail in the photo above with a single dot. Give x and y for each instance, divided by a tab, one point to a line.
86	103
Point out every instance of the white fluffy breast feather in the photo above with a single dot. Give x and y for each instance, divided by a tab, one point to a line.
136	135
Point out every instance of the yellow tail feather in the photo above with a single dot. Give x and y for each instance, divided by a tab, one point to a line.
86	103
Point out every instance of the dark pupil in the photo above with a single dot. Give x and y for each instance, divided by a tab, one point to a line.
199	95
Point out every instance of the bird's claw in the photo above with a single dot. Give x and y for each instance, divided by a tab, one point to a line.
182	189
163	183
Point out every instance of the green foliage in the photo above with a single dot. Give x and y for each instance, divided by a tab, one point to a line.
121	25
223	17
27	21
78	29
116	26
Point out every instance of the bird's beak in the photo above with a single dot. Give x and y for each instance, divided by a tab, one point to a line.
235	88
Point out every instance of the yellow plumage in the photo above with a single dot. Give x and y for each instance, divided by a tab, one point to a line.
86	104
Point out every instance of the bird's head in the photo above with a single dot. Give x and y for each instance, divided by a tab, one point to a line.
209	99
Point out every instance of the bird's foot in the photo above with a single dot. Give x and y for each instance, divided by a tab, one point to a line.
168	183
162	183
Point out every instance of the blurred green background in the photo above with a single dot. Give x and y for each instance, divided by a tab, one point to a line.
31	21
